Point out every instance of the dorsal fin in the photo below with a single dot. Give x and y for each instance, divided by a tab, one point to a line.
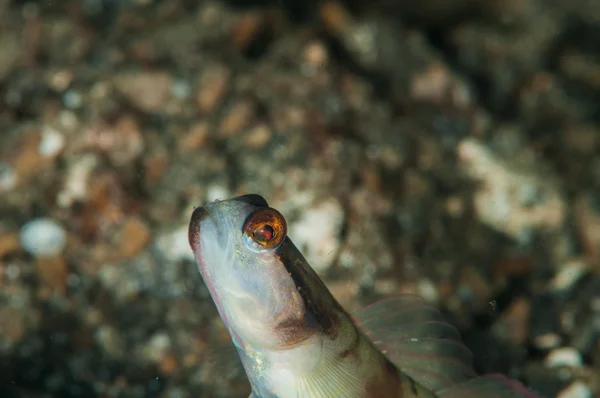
417	339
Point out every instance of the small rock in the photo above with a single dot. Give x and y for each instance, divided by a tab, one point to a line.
216	192
43	237
246	29
564	356
431	85
577	389
126	140
52	142
54	272
155	167
568	275
174	245
60	79
317	233
515	203
29	162
513	323
156	348
9	243
110	340
258	136
8	178
147	91
169	365
315	56
135	235
212	87
428	290
547	341
196	138
237	118
77	180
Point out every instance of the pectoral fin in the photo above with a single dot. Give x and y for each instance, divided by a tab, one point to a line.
222	360
417	339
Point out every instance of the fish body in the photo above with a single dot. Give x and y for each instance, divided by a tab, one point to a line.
295	340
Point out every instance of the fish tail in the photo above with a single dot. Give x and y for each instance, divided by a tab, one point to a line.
490	386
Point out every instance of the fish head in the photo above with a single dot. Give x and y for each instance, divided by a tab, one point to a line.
236	244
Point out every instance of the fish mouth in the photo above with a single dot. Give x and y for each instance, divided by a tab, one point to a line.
199	214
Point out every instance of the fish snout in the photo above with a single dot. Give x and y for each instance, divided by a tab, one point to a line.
199	214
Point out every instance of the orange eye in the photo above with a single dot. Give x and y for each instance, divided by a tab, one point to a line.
266	226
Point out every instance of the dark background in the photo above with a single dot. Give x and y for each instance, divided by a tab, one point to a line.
448	148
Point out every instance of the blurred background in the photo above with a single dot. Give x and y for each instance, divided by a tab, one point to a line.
448	148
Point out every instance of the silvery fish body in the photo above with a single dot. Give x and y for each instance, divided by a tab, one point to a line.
295	340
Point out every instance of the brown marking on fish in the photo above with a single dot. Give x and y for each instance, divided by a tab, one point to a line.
352	350
322	309
292	331
194	227
386	384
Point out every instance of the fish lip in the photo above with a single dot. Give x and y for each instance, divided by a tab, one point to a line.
201	215
198	215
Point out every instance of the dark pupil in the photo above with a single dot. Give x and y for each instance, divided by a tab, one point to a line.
264	233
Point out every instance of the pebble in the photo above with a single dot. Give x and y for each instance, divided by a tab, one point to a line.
236	119
432	84
547	341
110	341
513	323
216	192
317	233
577	389
9	242
196	138
147	91
212	87
8	178
52	142
428	290
77	179
54	272
174	245
509	200
564	356
156	348
135	235
43	237
568	275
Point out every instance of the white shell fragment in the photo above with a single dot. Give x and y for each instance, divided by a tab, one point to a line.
317	233
43	237
564	356
514	202
576	389
52	142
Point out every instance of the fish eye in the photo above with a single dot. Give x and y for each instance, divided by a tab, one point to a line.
265	227
264	233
